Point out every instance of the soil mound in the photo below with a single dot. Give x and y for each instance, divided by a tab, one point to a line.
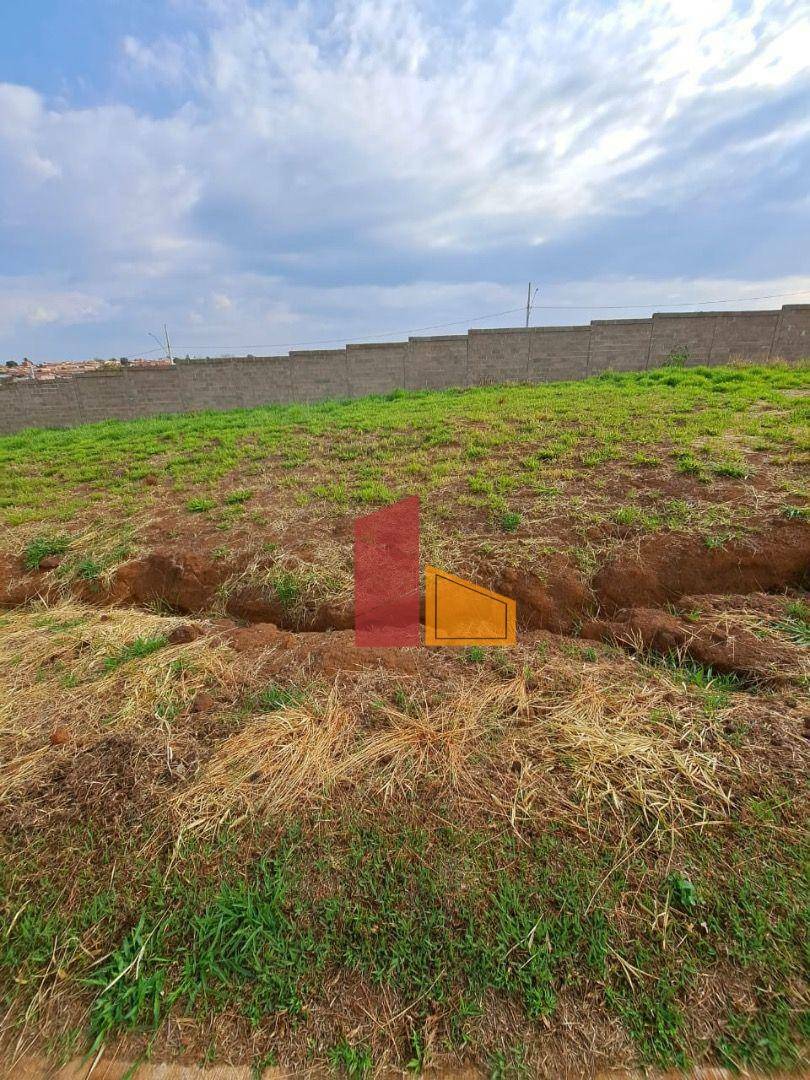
325	654
665	569
15	589
731	650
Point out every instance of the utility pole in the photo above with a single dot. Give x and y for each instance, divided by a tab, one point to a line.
529	301
165	341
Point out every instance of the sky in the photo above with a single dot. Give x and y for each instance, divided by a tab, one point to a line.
265	175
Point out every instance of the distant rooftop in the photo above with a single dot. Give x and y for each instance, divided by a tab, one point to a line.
67	369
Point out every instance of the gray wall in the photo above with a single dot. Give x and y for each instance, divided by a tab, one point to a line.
539	354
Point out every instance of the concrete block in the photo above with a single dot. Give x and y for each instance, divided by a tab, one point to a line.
792	336
558	352
497	356
619	345
436	363
376	368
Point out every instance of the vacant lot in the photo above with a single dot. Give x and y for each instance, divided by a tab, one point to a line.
230	835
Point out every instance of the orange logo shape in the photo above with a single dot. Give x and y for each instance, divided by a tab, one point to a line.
457	612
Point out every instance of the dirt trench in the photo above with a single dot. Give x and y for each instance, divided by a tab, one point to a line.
662	569
621	603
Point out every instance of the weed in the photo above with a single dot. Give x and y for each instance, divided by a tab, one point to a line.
88	569
236	498
42	547
796	622
688	463
287	587
274	697
699	675
199	505
678	357
681	891
796	513
731	469
355	1061
510	522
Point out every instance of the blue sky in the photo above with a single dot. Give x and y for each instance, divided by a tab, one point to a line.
259	175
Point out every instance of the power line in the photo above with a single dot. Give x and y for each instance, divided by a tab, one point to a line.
484	318
369	334
685	303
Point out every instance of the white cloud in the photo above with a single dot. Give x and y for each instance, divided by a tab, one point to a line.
29	302
165	60
379	134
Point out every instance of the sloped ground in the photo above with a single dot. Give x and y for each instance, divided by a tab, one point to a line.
231	835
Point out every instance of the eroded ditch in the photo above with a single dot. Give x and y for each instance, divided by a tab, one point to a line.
644	597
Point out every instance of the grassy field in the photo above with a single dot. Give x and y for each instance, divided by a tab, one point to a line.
225	841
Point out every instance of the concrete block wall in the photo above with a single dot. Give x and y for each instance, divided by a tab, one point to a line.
320	375
479	358
559	352
792	336
689	334
495	356
376	368
619	345
44	405
744	333
436	363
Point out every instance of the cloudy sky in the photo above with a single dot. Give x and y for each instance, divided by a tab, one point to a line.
264	174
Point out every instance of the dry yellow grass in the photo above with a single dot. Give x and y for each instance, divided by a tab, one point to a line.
560	737
54	673
571	743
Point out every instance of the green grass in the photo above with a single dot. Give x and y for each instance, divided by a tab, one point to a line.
287	587
510	522
796	622
353	1061
447	922
200	506
699	675
489	442
137	650
441	919
273	697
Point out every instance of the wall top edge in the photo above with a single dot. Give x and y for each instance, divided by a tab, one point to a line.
620	322
502	330
208	360
440	337
713	314
296	353
376	345
559	329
